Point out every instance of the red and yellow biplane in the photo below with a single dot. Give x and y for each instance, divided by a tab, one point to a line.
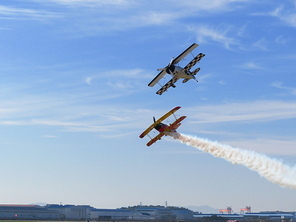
163	129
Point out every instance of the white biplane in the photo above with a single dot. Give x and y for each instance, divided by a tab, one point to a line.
176	71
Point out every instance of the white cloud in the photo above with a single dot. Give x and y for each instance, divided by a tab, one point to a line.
257	111
49	136
90	3
94	17
261	44
207	34
170	5
267	146
120	84
249	65
23	13
128	73
279	85
289	17
156	18
89	79
281	40
209	5
119	81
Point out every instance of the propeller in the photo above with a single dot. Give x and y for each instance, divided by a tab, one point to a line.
167	67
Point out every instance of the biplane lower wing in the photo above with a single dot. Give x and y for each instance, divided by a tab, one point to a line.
157	78
167	85
147	131
158	137
159	120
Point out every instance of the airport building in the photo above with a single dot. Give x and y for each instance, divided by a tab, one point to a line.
26	212
56	212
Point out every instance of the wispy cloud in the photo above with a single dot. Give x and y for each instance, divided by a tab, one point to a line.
129	79
94	17
189	5
267	145
222	36
289	90
249	65
118	74
89	3
261	44
48	136
67	113
257	111
210	5
26	13
89	80
286	15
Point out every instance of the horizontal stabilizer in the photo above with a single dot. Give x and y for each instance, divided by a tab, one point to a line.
195	71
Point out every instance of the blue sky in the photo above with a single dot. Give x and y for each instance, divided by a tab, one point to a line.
74	100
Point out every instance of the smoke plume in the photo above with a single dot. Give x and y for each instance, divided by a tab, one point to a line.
270	168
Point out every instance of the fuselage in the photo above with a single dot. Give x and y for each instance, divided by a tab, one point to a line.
161	127
178	72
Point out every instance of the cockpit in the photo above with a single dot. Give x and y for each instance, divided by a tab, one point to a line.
159	126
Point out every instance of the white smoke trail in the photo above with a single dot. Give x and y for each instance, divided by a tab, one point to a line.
270	168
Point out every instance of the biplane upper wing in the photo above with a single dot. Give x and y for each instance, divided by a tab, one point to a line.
167	85
157	78
193	62
184	54
159	120
168	114
158	137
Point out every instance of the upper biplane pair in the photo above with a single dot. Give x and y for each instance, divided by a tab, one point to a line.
176	71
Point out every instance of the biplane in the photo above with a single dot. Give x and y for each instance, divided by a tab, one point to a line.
163	129
178	72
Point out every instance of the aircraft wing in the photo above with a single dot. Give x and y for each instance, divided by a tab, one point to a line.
184	54
158	137
168	114
157	78
193	62
167	85
147	130
159	120
177	123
